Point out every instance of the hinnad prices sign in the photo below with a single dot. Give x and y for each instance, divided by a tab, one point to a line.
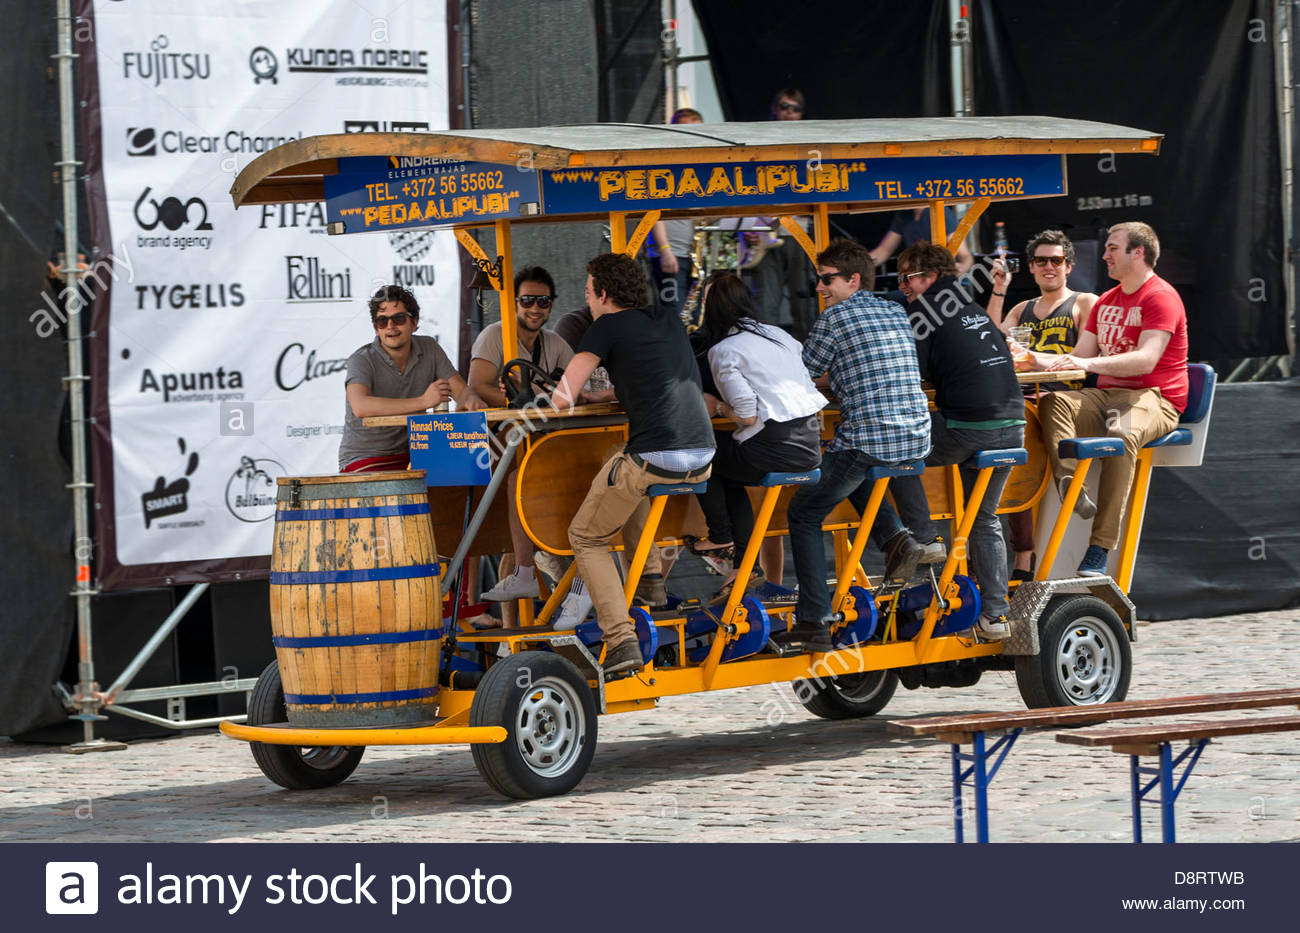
218	363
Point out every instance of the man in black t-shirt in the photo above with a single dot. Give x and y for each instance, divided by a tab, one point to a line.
669	436
978	405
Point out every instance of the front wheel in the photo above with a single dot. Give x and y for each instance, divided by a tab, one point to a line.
291	766
1084	656
549	715
847	696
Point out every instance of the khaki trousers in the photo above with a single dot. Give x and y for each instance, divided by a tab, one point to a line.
1138	416
616	502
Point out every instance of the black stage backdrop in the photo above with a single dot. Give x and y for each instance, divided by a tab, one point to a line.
1225	537
1200	74
36	620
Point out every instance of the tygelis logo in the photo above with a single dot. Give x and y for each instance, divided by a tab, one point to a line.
250	491
169	498
141	141
264	65
72	887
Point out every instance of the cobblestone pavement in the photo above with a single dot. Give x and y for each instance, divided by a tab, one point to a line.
744	765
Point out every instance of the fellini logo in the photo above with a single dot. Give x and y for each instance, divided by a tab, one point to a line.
170	498
250	491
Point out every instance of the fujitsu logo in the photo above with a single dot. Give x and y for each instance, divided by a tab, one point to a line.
158	64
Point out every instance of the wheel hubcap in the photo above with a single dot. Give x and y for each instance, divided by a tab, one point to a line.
860	688
550	729
1087	662
323	757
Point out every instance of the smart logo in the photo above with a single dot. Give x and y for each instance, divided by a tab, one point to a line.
72	887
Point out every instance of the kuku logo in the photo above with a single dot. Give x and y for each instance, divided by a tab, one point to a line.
169	498
72	887
141	141
412	246
264	65
250	491
158	64
171	213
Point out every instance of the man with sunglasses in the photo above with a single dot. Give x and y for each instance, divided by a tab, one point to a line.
1056	316
399	373
861	346
978	406
1136	342
788	104
534	298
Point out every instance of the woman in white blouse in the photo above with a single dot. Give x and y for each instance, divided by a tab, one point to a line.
763	387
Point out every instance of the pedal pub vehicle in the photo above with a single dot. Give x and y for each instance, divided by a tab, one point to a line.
368	652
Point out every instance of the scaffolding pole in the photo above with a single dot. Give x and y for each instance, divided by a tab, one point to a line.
86	702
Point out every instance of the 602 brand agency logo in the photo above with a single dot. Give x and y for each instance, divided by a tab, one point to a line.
172	498
158	64
173	214
250	491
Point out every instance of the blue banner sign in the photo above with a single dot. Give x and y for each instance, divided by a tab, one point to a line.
956	178
452	448
392	192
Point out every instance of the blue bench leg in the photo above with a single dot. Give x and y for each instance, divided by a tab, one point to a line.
981	790
1135	771
956	791
1167	793
1162	776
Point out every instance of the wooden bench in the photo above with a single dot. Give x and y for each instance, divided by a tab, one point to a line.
984	761
1139	741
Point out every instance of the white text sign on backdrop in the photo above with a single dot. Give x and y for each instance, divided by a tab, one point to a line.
256	309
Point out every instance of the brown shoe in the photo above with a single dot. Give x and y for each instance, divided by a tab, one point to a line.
652	592
623	658
902	554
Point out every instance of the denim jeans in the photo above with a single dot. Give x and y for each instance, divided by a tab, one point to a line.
844	476
987	549
671	290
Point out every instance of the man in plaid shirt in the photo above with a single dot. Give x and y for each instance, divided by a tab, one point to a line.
865	346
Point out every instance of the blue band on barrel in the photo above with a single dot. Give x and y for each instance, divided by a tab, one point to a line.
356	576
343	641
313	699
374	511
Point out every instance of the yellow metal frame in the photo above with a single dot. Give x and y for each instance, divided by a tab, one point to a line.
411	735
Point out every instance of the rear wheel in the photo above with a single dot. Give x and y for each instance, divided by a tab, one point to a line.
848	696
549	715
292	766
1084	656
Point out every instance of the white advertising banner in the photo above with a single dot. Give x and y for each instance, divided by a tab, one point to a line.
228	331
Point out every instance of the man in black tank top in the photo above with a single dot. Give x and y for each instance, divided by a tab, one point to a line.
1057	317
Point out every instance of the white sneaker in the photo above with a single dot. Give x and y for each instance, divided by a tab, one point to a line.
553	565
516	586
574	611
993	629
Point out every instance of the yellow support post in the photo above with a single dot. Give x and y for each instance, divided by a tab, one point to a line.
924	644
1137	504
822	237
640	233
557	595
796	230
617	232
1062	520
938	223
506	291
972	214
657	506
849	572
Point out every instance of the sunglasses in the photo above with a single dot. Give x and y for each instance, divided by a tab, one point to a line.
826	277
400	318
1044	260
527	301
908	275
786	105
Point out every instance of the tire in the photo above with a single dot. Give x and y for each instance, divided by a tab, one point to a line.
291	766
848	696
1084	656
549	715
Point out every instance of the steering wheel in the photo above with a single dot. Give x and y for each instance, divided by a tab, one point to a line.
529	375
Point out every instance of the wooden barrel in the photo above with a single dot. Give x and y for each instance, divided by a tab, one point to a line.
356	602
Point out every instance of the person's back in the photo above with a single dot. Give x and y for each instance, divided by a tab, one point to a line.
769	362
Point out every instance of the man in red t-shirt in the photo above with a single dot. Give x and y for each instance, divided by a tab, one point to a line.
1135	340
